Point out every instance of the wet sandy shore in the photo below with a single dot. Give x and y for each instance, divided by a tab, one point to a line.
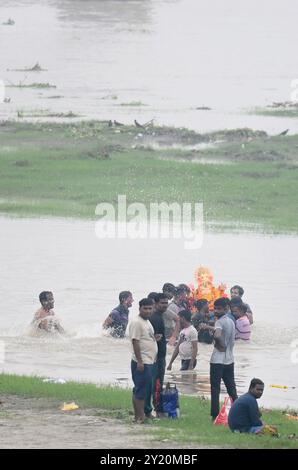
38	423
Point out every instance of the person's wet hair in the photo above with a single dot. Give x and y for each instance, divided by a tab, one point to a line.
160	296
168	287
199	304
145	302
152	296
186	314
239	288
43	296
222	302
242	307
182	289
236	302
124	295
255	382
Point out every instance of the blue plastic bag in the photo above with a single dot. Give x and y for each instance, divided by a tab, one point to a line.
170	401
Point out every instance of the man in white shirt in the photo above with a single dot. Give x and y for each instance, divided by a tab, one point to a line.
144	352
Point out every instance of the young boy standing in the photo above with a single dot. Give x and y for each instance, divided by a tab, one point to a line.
187	346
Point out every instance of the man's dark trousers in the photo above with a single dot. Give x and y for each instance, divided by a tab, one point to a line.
220	372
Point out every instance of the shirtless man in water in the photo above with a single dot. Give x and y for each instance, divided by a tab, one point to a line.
45	318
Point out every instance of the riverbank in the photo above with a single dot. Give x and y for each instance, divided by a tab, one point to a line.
30	409
243	177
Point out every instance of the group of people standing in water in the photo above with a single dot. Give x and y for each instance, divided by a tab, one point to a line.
166	318
178	299
45	319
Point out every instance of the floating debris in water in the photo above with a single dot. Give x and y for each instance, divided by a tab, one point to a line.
133	104
109	97
36	68
46	113
30	85
203	108
9	22
53	97
283	104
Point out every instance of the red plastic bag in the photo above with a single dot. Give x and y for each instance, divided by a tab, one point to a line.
157	394
222	418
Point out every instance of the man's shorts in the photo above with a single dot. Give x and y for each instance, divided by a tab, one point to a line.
141	379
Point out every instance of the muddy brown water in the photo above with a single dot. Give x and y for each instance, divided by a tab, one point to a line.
86	274
165	57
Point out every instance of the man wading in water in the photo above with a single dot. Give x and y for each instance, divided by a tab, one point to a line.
118	319
171	317
45	318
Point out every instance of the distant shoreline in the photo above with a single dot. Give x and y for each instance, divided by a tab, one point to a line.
245	179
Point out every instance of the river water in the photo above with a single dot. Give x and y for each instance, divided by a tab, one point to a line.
86	273
171	56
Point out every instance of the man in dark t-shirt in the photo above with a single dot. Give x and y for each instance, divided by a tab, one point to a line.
202	322
157	321
118	318
244	415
